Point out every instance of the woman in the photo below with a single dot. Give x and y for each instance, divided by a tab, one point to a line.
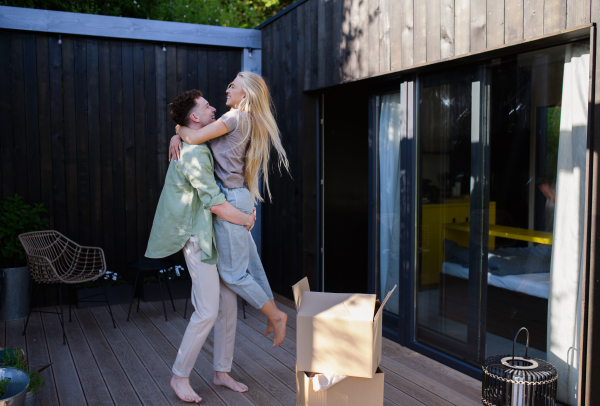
240	142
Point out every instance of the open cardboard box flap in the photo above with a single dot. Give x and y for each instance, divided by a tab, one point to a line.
338	333
356	305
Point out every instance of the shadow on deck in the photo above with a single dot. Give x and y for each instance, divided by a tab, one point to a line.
131	365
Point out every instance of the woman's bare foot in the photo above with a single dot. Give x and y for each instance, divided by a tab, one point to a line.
276	322
279	326
269	327
223	379
183	390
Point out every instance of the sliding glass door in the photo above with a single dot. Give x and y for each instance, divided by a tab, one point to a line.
450	162
478	196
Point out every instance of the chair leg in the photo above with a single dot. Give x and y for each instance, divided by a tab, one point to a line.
109	309
133	295
186	299
32	293
170	295
244	308
185	309
162	297
62	315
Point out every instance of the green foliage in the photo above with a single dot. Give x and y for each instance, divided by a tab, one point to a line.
3	384
16	218
227	13
16	358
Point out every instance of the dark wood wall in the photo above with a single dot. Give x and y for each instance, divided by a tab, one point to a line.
84	129
288	241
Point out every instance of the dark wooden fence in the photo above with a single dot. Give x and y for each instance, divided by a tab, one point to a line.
84	128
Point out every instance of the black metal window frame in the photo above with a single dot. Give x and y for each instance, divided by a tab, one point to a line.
401	328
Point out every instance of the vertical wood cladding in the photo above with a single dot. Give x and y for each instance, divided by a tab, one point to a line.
84	129
322	43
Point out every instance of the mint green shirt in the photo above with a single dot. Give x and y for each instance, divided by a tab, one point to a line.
184	207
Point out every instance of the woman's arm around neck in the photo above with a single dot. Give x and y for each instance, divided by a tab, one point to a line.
206	133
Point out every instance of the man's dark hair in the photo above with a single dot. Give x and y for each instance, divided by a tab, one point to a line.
182	105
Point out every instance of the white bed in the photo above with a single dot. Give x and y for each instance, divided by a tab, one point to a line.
533	284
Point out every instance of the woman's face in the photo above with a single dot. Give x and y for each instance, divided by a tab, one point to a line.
235	94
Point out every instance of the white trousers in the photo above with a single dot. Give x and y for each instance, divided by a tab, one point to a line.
214	305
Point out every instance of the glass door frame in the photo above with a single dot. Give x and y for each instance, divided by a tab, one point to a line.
402	327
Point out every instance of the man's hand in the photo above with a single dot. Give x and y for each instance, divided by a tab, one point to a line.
547	191
251	220
228	212
174	147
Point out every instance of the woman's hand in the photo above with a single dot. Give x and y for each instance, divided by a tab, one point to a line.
174	146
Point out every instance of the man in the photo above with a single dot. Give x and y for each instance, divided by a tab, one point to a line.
183	219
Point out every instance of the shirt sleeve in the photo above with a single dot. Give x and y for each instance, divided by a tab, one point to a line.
199	171
230	119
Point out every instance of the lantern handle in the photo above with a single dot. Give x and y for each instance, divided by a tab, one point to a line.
526	344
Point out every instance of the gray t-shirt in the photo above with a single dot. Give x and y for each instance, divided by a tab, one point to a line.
229	150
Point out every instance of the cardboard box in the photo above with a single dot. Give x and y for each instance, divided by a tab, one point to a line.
338	333
349	392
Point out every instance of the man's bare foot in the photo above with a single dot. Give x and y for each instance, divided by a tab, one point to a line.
279	325
223	379
183	390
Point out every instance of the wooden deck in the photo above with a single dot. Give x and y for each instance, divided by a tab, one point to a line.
131	365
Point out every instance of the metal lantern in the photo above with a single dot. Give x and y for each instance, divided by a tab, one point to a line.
518	381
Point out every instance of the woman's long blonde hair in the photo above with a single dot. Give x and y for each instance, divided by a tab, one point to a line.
263	132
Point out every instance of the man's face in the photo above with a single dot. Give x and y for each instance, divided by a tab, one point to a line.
203	113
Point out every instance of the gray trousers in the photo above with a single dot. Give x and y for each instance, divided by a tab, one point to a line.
239	265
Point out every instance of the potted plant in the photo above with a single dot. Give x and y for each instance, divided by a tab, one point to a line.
16	218
14	357
179	281
92	293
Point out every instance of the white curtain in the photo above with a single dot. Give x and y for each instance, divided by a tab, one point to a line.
564	312
390	122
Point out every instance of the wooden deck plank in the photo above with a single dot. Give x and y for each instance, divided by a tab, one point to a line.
92	382
394	396
469	387
68	386
266	344
204	366
133	362
289	344
426	383
116	380
141	380
413	390
262	389
168	351
276	367
154	364
37	356
267	376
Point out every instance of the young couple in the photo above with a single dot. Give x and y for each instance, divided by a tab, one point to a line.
219	251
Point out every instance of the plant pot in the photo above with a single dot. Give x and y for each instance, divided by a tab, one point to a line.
16	391
180	289
116	295
29	399
14	293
